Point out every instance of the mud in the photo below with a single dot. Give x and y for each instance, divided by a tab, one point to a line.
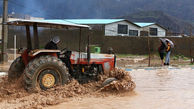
165	88
14	96
123	81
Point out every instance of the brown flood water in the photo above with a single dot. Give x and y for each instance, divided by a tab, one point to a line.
155	89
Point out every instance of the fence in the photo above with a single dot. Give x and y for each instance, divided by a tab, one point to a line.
120	44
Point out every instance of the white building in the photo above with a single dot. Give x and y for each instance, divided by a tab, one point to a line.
111	27
151	29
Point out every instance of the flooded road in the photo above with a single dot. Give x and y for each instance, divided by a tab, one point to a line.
166	88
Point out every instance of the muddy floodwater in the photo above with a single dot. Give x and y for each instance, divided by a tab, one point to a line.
165	88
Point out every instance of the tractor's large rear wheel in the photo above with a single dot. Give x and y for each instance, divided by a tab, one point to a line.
45	72
16	69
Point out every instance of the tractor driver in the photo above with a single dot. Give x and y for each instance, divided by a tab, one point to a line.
53	43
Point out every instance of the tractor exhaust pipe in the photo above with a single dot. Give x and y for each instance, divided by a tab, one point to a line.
88	50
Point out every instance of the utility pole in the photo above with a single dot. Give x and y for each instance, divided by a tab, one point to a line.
190	41
4	32
149	64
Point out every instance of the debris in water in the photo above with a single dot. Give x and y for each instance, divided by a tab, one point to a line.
119	80
14	96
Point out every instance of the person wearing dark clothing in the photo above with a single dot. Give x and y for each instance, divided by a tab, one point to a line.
161	50
110	50
53	43
165	47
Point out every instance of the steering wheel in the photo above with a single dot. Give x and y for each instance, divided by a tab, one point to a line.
63	51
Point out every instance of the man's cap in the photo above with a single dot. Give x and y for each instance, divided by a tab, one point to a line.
56	39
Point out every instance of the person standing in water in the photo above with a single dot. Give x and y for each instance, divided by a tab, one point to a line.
161	50
170	45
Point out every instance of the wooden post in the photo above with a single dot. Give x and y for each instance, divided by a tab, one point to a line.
29	43
36	39
15	46
149	50
88	50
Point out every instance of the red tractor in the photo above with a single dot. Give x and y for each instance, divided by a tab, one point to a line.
44	69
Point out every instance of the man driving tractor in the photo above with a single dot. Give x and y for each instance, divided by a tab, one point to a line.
53	43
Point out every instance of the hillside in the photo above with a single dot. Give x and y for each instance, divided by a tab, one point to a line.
183	9
179	13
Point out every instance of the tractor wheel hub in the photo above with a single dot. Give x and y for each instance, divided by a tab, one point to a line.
48	80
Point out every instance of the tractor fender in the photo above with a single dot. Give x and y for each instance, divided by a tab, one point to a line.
27	55
34	53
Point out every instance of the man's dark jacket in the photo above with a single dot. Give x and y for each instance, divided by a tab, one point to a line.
51	45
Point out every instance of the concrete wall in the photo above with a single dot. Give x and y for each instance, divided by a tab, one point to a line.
112	29
120	44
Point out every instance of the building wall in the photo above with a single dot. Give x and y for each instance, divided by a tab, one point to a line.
161	31
112	29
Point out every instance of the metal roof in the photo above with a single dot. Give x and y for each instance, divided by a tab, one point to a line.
46	23
143	24
93	21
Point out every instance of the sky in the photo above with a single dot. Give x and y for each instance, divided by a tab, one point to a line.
99	8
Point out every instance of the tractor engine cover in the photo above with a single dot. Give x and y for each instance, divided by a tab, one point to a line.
106	60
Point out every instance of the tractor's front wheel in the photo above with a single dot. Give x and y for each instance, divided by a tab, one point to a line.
45	72
16	69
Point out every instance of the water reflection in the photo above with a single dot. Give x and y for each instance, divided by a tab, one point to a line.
165	88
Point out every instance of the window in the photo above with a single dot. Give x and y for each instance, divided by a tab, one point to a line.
154	31
133	32
122	29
